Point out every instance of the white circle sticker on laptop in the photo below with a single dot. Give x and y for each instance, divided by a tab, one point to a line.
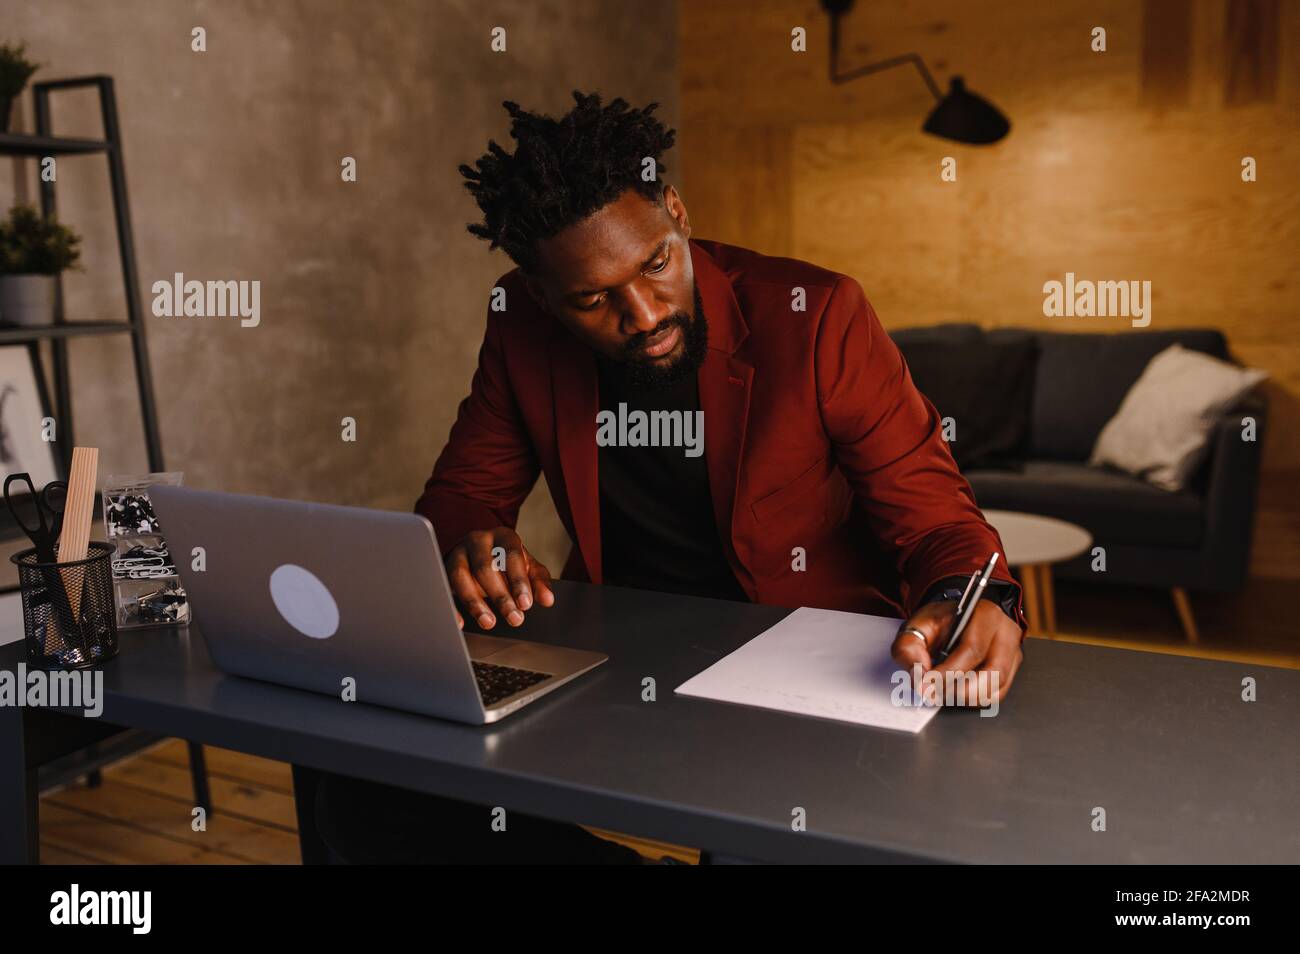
304	601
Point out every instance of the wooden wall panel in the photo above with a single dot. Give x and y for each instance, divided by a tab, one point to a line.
751	188
1119	165
1166	52
1250	51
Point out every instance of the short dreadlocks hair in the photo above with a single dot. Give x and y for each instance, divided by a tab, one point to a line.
563	170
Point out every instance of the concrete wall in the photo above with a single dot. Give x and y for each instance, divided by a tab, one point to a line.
373	294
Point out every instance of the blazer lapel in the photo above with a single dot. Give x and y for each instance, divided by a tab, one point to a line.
725	385
577	398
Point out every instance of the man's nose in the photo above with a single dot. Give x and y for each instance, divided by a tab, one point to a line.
642	312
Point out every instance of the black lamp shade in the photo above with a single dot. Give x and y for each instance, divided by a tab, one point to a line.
964	117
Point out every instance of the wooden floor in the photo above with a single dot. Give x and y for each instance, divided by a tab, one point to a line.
141	814
1256	625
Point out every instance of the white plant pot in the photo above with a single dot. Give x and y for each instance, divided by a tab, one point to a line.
27	299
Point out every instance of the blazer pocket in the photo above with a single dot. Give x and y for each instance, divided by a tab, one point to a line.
770	504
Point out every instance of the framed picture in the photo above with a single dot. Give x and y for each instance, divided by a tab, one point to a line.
22	409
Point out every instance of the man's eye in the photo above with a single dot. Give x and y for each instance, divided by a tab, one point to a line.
596	303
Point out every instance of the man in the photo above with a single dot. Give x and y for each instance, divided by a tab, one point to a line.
823	480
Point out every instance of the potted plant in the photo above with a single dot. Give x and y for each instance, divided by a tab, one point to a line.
15	70
33	250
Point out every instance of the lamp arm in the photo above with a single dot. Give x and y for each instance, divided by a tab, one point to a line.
914	58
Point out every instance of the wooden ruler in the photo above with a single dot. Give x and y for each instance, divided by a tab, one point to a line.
78	512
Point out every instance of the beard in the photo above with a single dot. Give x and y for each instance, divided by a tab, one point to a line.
647	373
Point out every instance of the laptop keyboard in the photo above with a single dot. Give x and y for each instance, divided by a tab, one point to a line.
497	682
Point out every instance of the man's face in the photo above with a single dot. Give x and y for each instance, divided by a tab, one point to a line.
621	280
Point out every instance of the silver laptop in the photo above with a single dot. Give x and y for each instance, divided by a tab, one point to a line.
345	600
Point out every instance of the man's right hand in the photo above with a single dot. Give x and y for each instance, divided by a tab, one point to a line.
478	586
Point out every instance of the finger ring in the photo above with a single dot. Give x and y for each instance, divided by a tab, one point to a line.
913	631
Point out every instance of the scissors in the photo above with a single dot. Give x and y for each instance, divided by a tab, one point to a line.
51	501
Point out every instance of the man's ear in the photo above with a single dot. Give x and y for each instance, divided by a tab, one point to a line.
677	209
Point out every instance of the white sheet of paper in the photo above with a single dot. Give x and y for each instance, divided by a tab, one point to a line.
817	662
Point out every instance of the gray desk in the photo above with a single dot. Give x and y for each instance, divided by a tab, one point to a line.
1186	771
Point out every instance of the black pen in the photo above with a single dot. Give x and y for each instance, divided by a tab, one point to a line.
966	607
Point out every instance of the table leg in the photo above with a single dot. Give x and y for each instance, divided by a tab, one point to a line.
1029	583
305	783
20	841
1184	607
199	777
1048	598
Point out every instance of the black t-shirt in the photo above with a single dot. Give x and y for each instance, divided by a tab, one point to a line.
657	528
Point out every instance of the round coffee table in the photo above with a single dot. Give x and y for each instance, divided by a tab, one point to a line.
1034	543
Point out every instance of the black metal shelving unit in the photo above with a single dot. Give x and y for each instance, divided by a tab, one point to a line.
46	143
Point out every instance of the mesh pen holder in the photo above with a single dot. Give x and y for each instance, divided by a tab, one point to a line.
69	617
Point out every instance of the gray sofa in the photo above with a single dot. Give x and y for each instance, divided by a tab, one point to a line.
1198	538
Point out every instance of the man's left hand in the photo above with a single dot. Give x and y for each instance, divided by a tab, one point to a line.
990	644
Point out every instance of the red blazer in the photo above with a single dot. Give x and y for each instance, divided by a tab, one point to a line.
815	437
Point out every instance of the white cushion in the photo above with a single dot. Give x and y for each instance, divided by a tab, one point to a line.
1162	429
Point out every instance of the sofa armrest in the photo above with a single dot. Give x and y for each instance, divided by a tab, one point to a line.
1230	494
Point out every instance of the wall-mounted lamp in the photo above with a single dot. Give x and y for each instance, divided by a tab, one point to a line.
960	116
